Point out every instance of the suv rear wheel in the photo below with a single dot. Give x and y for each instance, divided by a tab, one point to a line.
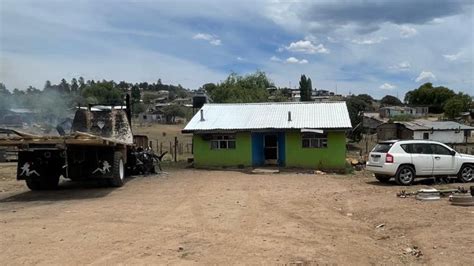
405	175
466	174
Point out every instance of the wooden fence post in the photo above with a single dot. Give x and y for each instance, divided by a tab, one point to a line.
175	149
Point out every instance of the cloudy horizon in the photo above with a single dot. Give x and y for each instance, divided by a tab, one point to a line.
373	47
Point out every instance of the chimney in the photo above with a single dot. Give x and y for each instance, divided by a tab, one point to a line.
202	115
289	116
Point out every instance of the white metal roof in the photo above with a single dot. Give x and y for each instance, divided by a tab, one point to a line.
423	125
251	116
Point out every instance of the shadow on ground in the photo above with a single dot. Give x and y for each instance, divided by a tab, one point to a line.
67	190
421	181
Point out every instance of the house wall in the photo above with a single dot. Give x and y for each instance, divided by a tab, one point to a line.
291	152
332	157
442	136
204	156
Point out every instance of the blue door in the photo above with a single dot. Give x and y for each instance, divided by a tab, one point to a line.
268	147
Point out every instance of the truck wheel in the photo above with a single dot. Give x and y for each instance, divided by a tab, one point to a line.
118	171
405	175
33	184
466	174
382	178
47	183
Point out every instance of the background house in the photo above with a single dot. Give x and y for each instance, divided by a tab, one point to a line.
309	135
392	111
444	131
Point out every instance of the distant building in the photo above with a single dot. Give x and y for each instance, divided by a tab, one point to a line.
371	120
391	111
444	131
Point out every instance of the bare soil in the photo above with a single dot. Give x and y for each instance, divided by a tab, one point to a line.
227	217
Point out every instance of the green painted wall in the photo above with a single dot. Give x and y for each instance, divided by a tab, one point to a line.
204	156
332	157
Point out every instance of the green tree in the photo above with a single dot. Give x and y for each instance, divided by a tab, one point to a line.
47	85
173	111
64	86
305	89
149	97
82	84
103	93
74	86
241	89
366	98
427	95
457	104
389	100
136	94
355	107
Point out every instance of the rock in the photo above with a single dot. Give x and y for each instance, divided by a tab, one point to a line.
349	214
180	248
318	172
380	226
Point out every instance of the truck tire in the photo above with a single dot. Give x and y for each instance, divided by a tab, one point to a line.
118	171
466	174
45	183
382	178
33	184
405	175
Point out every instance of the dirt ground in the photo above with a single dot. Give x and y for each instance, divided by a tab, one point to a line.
189	216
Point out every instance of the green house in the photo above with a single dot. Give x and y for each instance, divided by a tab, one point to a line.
303	135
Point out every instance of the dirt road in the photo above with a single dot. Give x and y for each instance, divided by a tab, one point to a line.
224	217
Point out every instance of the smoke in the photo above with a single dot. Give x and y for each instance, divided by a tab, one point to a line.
37	112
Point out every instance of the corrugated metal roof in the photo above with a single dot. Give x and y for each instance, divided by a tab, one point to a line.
250	116
422	124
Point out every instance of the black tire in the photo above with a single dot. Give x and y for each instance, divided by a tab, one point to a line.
382	178
45	183
118	171
33	184
405	175
466	174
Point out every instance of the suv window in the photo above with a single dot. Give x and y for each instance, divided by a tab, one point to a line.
382	147
420	148
438	149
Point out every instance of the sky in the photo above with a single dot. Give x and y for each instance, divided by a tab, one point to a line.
374	47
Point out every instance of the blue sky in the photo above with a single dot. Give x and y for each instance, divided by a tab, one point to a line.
374	47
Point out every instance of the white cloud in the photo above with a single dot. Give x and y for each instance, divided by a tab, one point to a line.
452	57
369	41
240	58
402	66
275	59
387	86
425	76
212	39
406	31
307	47
293	60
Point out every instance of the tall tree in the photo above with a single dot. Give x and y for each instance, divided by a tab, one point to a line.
64	86
306	88
47	85
136	95
240	89
427	95
82	84
389	100
74	86
457	104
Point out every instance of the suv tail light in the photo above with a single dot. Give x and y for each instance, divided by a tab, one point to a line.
389	158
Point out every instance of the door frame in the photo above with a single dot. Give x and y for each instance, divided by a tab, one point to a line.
271	161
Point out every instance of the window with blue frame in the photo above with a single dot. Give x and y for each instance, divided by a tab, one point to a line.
219	142
314	140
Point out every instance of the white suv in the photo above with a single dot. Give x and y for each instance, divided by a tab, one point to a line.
406	159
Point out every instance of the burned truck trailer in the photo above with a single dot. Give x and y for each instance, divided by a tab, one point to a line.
100	146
